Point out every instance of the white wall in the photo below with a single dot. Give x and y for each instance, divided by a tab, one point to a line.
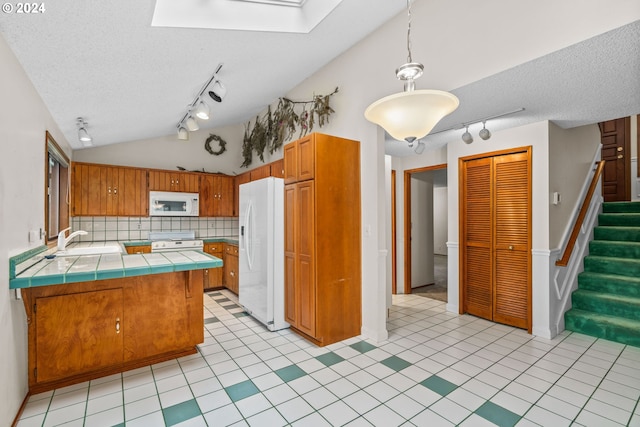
440	220
571	153
168	152
422	230
23	122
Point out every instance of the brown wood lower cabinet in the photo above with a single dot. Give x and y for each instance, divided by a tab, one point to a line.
231	267
86	330
213	276
138	249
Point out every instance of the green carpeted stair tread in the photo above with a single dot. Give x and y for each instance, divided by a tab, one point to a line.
612	265
609	283
615	249
605	303
625	331
628	234
619	219
618	207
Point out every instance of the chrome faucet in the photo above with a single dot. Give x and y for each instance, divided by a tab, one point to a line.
62	240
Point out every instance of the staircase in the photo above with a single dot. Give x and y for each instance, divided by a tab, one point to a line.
607	301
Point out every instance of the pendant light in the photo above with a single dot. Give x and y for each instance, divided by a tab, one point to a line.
411	114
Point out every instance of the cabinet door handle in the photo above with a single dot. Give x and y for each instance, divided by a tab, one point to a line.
115	190
109	190
117	325
232	273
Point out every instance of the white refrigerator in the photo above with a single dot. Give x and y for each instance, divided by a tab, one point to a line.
261	251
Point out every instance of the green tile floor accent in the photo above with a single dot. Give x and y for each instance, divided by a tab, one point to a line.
395	363
363	346
241	390
329	359
497	414
439	385
228	306
181	412
211	320
241	314
290	373
221	300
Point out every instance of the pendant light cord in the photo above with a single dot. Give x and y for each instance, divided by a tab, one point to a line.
409	31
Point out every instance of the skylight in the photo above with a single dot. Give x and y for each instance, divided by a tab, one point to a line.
299	16
296	3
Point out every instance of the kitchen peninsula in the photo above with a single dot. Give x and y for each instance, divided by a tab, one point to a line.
95	315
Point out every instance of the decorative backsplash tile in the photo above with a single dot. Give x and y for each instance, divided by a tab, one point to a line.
100	228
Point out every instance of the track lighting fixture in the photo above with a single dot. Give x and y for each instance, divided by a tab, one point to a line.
420	147
466	136
192	124
217	92
183	134
484	132
83	135
202	111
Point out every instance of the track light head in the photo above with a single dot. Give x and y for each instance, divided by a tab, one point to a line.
420	147
202	111
466	136
183	134
192	124
218	91
484	132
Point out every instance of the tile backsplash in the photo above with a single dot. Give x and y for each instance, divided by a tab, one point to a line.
100	228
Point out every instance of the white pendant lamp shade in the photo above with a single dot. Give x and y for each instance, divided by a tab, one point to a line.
407	116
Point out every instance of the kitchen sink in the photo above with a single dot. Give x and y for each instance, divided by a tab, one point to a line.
91	250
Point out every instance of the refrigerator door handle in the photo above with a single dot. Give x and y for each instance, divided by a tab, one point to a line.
248	235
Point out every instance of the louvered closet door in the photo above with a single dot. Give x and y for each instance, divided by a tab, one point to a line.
496	238
512	293
477	226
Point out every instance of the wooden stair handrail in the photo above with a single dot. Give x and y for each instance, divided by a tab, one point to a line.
562	262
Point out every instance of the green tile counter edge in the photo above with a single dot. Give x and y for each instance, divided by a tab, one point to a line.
20	258
71	277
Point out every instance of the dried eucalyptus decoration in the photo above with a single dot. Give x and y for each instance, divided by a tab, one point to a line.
271	131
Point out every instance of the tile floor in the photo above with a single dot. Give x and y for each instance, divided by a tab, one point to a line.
436	369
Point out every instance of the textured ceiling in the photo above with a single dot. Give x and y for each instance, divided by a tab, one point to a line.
104	61
592	81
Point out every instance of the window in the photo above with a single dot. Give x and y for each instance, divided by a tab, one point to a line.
56	189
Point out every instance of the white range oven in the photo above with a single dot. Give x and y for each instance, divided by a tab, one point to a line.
171	241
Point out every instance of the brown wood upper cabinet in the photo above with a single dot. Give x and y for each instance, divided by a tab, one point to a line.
299	159
105	190
216	195
277	168
187	182
322	238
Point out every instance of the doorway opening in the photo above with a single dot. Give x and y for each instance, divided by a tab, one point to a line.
425	232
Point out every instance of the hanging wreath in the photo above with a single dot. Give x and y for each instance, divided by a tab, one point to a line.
222	142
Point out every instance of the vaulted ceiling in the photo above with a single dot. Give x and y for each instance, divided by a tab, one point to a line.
131	80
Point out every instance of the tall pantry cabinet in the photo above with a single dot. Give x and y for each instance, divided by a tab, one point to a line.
322	238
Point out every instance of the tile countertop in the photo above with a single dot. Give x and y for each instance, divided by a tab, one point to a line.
40	271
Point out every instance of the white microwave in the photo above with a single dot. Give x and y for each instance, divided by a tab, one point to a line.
171	203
